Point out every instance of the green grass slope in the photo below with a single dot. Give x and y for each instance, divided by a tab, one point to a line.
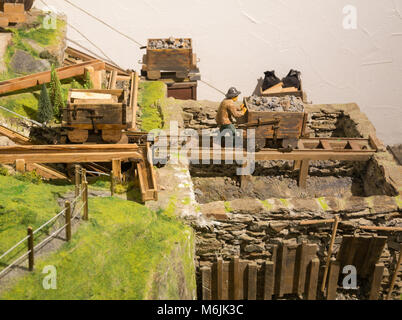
113	256
24	204
150	92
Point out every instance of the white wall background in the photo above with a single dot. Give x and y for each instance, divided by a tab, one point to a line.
237	40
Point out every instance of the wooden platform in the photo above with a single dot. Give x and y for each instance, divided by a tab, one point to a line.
36	79
14	136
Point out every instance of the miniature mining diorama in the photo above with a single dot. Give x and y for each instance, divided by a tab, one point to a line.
265	197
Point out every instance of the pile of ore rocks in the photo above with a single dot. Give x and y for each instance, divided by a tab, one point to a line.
275	104
171	43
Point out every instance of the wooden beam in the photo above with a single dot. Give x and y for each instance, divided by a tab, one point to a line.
69	153
44	77
333	279
113	79
331	245
269	280
219	278
134	100
376	281
236	278
312	279
206	283
303	175
14	136
20	165
252	281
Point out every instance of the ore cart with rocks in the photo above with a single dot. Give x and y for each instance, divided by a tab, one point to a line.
169	57
278	122
95	115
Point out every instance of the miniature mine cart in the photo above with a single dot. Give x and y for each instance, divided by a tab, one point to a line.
102	113
278	122
13	11
170	58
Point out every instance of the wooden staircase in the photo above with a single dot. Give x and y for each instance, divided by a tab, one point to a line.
147	177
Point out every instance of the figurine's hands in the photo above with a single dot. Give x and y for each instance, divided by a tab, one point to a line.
244	109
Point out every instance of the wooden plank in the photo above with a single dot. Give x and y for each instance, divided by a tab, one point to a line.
219	278
312	279
225	280
236	278
46	172
303	175
87	57
44	77
269	280
206	283
14	136
306	253
134	100
333	279
252	281
376	281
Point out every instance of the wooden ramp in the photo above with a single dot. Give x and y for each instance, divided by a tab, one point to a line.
44	77
14	136
46	172
147	178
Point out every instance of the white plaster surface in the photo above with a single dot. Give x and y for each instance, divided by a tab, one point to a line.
237	40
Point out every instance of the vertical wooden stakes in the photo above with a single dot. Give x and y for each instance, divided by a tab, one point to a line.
30	249
376	281
206	283
334	230
85	199
303	175
77	180
112	183
68	220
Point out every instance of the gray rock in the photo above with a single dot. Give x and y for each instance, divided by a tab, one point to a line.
23	62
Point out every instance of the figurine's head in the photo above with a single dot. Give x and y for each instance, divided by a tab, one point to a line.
233	93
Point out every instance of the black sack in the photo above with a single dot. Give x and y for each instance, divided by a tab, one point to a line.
292	80
270	80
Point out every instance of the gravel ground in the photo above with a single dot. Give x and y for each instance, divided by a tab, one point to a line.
170	43
276	104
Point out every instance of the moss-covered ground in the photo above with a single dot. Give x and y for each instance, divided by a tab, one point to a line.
22	204
113	256
150	93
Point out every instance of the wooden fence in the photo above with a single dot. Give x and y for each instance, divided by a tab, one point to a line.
70	212
293	270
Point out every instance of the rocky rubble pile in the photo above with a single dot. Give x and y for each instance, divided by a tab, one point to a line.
275	104
170	43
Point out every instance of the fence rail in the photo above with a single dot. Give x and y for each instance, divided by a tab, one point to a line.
70	213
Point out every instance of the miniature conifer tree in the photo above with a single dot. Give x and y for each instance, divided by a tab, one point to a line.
45	110
56	94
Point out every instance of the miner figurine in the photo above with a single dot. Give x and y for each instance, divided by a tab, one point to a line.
228	110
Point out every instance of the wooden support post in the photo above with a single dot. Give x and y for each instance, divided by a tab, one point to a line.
20	165
68	220
398	265
331	245
116	167
30	249
269	281
206	283
77	180
90	73
113	79
236	278
333	279
112	183
376	281
85	199
303	175
134	100
219	279
252	281
312	279
97	81
296	165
